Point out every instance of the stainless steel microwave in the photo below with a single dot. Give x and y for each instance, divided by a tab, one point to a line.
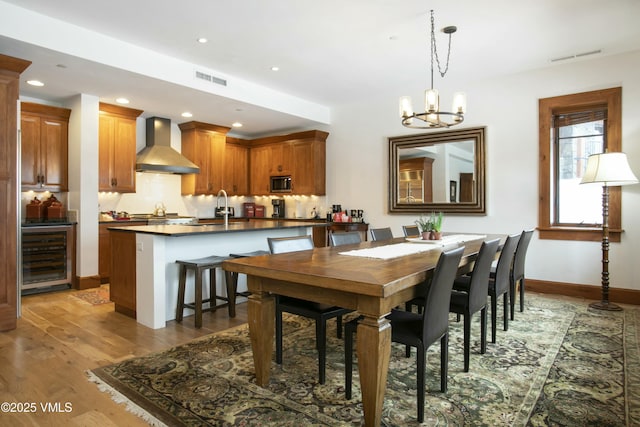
280	184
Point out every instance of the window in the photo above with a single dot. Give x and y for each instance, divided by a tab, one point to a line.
576	136
573	127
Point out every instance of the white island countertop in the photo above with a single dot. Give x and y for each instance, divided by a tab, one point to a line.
144	277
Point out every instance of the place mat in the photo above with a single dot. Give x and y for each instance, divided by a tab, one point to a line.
390	251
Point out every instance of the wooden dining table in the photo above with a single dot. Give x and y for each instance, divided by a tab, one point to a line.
371	286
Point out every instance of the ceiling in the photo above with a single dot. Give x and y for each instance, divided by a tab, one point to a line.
330	53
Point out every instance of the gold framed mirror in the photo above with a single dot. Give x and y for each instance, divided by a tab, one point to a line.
438	171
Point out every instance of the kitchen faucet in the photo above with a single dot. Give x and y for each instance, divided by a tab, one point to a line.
225	212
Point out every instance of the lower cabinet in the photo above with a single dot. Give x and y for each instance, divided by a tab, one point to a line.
321	233
104	248
123	272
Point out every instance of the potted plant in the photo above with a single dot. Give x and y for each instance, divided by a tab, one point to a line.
425	225
436	225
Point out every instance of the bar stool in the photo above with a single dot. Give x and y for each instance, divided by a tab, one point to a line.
234	280
199	266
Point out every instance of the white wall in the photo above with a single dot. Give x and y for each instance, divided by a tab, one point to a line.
508	107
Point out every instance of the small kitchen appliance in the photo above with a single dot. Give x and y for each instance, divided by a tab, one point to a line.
278	208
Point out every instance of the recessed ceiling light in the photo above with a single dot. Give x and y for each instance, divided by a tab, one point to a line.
122	100
237	125
202	40
187	114
275	68
35	83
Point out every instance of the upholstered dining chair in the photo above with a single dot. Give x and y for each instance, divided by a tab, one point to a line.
312	310
467	303
345	238
517	270
499	283
411	231
419	330
381	234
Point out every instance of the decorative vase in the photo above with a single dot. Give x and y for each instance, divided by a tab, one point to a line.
426	235
435	235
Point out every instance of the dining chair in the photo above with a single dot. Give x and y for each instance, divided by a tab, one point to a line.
411	231
345	238
312	310
419	330
517	270
474	299
381	234
499	283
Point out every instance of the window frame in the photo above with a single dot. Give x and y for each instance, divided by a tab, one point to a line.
547	107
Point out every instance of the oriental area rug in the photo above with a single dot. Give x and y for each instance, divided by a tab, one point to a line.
93	296
560	364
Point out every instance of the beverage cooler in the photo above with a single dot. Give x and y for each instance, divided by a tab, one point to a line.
46	257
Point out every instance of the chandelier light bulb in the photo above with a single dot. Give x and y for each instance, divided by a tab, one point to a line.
459	103
406	109
431	100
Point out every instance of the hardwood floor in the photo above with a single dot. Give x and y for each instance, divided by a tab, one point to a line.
59	337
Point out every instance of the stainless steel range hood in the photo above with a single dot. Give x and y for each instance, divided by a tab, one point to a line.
158	156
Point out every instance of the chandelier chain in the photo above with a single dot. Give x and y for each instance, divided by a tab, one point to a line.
434	51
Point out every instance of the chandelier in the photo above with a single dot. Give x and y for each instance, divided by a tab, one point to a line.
432	117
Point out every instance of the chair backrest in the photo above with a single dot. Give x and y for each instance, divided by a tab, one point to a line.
520	255
381	234
345	238
503	269
411	231
436	309
479	286
280	245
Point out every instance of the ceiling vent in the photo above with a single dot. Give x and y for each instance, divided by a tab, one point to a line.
201	75
577	55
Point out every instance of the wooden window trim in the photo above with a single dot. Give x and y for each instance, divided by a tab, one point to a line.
546	108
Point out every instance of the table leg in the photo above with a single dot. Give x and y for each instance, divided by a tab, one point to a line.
261	315
374	348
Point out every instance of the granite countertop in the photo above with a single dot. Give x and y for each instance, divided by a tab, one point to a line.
176	230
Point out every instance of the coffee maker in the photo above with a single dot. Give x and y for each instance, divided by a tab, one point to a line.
278	208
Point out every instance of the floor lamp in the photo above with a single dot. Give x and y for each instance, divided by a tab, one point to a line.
608	169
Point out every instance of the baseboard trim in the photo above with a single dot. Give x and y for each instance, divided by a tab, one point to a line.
619	295
88	282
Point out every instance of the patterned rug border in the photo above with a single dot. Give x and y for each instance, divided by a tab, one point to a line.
566	310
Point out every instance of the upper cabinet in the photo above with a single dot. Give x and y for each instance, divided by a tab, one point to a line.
236	168
301	155
44	137
117	153
204	144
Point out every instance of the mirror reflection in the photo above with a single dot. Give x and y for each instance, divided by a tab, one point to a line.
441	171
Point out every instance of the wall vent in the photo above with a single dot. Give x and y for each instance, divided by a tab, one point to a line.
210	78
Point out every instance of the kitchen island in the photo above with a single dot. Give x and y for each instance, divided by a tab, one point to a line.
144	275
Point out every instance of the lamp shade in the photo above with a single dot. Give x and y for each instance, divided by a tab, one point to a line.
609	168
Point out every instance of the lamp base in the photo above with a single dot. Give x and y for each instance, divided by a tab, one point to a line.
605	305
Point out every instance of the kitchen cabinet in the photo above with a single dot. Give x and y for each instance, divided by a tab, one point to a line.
45	147
10	70
259	172
117	149
122	289
301	155
321	234
236	169
104	247
204	144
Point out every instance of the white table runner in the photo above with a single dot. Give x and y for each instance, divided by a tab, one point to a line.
414	246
